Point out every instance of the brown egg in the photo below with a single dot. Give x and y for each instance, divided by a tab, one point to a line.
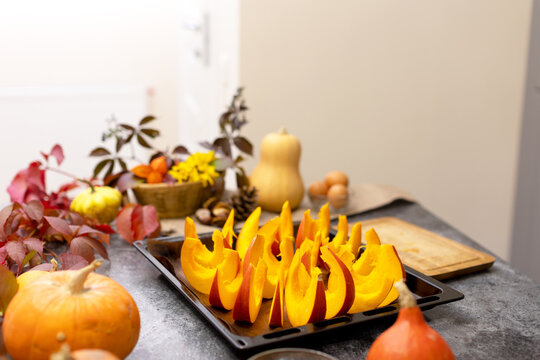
338	196
336	177
317	188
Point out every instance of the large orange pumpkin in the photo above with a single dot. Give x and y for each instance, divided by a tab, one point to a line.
92	310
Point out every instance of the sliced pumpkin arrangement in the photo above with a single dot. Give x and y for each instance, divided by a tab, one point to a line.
309	278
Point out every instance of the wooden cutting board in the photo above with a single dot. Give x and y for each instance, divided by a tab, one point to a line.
425	251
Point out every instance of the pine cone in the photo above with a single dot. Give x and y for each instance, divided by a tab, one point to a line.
244	202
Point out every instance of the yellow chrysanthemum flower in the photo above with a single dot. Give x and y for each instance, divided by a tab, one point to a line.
197	167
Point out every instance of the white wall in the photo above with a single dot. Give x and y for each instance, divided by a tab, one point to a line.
87	45
426	95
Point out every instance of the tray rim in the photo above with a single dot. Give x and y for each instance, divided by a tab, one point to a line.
447	294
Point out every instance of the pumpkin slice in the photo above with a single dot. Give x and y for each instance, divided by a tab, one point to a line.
248	232
228	231
226	284
339	244
277	308
304	229
305	300
340	293
374	274
341	235
285	222
271	231
393	269
370	291
274	265
323	223
190	230
200	265
249	299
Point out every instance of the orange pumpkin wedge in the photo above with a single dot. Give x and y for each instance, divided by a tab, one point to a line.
200	265
248	232
228	231
305	300
249	299
226	284
374	274
340	293
277	308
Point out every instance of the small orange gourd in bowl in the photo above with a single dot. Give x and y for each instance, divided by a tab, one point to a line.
92	310
410	337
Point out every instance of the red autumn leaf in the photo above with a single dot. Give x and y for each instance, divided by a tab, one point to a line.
34	210
17	188
97	246
123	223
105	228
5	213
43	267
8	287
68	187
28	184
85	230
144	221
61	226
34	244
78	246
58	153
72	261
135	222
3	254
151	219
125	182
16	251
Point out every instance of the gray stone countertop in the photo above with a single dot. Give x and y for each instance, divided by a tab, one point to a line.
498	319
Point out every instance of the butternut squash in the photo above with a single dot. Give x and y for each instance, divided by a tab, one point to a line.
277	176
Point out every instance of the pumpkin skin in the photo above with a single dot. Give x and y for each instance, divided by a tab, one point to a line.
277	176
97	312
100	202
410	337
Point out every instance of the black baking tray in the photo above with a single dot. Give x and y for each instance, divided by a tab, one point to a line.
164	254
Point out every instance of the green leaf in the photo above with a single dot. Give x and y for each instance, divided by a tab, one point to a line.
8	288
222	164
143	142
100	151
147	119
150	132
28	257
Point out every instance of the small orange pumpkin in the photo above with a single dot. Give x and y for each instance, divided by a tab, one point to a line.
92	310
410	337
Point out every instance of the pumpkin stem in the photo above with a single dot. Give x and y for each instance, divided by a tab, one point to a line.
282	130
76	284
93	189
54	265
406	298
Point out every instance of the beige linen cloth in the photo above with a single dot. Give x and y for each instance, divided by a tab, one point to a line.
363	197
